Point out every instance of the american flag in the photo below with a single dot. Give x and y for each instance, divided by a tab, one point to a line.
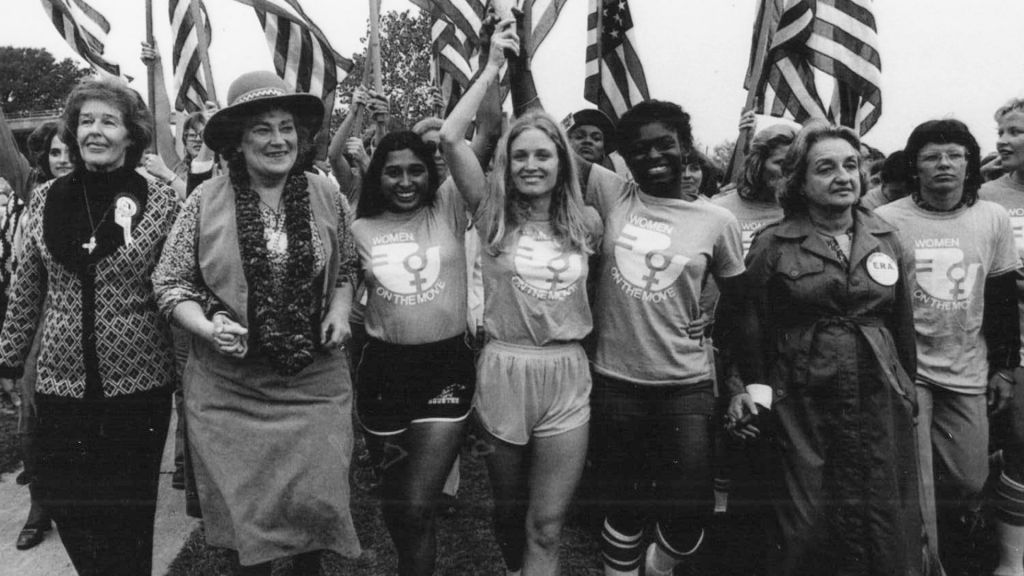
84	29
302	55
615	76
187	55
455	34
836	37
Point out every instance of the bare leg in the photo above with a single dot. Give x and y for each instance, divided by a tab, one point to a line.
416	464
555	470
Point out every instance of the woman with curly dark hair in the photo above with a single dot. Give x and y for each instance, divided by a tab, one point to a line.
259	269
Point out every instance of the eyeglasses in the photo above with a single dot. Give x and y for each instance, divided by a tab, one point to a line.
933	158
194	136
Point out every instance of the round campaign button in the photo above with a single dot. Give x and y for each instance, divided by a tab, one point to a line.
883	269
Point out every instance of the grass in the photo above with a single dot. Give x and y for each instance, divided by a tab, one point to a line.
465	541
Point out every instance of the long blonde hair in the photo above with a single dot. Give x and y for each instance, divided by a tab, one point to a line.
504	210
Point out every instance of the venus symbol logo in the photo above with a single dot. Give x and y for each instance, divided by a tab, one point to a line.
405	268
642	258
943	274
542	264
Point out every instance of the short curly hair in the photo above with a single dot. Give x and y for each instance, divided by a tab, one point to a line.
136	116
670	114
791	196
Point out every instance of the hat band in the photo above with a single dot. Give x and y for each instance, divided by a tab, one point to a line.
257	94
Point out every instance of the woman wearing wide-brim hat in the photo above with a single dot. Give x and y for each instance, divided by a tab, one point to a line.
259	269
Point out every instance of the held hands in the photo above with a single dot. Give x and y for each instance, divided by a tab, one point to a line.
334	329
740	416
1001	389
229	337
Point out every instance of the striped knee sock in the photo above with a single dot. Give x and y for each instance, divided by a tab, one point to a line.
621	552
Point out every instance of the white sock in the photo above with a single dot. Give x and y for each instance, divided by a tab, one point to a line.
657	562
609	571
721	501
1011	550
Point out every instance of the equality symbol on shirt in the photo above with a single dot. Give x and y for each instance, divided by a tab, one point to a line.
405	267
943	274
641	256
544	266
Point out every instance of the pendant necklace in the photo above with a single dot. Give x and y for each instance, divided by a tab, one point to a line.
275	231
91	244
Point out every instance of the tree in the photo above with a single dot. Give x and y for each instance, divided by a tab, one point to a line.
722	153
405	67
32	79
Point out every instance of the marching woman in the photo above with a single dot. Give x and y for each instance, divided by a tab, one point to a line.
653	402
415	383
533	382
105	367
258	268
829	301
51	160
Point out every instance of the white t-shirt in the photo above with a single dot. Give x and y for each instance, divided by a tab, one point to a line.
954	252
414	266
656	257
535	289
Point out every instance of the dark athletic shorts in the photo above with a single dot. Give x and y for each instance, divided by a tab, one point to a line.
400	384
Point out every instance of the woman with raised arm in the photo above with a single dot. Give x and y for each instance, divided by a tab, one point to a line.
259	270
533	382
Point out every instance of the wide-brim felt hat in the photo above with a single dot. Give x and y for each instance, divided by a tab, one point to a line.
594	117
255	92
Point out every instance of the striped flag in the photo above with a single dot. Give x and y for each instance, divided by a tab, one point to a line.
187	56
455	34
302	55
615	78
84	29
836	37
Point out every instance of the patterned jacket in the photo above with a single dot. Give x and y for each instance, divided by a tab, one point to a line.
102	332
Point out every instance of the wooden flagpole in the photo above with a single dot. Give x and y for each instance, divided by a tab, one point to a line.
373	50
150	72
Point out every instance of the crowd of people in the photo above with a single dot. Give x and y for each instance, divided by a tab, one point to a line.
836	334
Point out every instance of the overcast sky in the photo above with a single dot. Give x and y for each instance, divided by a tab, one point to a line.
940	58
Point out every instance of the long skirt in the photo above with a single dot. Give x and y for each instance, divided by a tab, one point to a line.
271	454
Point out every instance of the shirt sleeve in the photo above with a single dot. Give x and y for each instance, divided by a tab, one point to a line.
348	258
728	252
450	204
604	187
177	277
1005	257
28	289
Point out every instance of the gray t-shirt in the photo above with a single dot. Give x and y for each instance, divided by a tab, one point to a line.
1009	194
656	257
954	253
